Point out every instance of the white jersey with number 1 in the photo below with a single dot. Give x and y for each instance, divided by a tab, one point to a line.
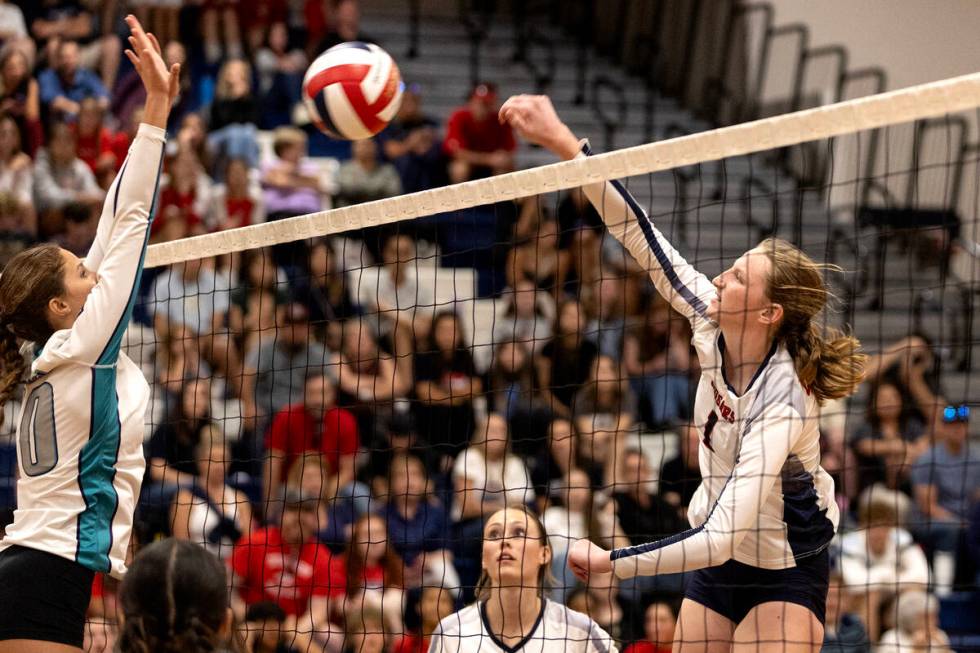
80	435
764	500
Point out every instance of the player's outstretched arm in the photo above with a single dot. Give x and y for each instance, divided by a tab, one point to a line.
689	291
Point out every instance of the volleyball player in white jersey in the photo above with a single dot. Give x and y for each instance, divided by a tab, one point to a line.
80	436
511	614
764	514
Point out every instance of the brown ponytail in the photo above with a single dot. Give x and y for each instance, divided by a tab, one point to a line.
31	279
828	361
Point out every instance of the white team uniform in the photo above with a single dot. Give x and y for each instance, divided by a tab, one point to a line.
764	499
558	630
80	435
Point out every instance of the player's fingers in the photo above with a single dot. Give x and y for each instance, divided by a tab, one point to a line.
156	44
133	58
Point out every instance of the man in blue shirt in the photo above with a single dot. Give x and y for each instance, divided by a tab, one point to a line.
946	479
66	84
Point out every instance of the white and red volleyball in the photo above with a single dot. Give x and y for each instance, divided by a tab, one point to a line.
352	90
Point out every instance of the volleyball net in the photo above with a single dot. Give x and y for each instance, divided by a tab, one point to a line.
378	378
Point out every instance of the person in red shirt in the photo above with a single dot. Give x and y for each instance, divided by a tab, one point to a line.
477	144
315	424
435	605
658	626
95	142
288	566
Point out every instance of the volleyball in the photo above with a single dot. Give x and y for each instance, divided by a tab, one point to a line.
353	90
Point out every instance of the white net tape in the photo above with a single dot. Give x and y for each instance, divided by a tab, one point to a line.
895	107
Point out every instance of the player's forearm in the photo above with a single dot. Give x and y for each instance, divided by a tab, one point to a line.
157	110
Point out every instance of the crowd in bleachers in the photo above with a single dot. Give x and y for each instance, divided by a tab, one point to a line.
347	429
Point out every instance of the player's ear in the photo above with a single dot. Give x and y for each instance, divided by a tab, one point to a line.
58	307
772	315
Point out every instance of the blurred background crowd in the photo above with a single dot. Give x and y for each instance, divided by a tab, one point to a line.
322	421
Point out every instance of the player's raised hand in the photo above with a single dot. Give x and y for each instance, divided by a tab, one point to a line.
585	558
147	58
535	119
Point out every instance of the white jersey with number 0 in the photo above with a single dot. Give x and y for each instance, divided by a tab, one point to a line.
558	629
80	435
764	500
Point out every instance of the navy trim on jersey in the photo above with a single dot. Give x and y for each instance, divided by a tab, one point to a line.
646	226
758	372
520	644
115	198
808	530
98	457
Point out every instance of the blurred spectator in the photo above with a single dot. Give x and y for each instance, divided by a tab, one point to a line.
418	524
434	605
397	438
314	424
366	631
210	512
565	361
889	441
680	476
79	230
945	479
55	22
513	392
184	198
219	26
399	299
172	452
261	289
234	115
326	292
16	171
13	27
446	383
15	228
376	575
477	144
577	218
276	369
843	631
537	258
286	565
916	626
192	295
160	17
600	602
280	71
581	513
973	538
880	560
370	379
486	478
657	357
95	142
345	25
659	622
20	96
292	185
603	410
60	177
238	201
605	306
364	178
528	317
65	84
412	144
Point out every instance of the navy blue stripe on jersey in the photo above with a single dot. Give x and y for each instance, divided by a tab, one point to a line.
97	458
758	372
646	227
115	198
519	645
808	530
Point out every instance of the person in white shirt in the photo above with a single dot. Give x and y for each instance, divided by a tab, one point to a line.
765	514
80	437
511	614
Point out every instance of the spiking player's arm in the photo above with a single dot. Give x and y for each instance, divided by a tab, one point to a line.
688	291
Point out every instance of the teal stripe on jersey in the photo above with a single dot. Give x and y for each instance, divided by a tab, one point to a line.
97	459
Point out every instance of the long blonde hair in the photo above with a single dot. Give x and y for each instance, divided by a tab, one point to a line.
828	361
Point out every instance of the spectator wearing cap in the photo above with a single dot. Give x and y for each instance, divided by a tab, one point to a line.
315	424
286	565
411	142
477	144
946	479
64	85
276	369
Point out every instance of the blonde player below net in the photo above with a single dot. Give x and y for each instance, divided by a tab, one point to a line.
764	514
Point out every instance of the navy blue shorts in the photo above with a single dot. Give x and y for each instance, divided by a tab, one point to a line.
43	597
733	589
